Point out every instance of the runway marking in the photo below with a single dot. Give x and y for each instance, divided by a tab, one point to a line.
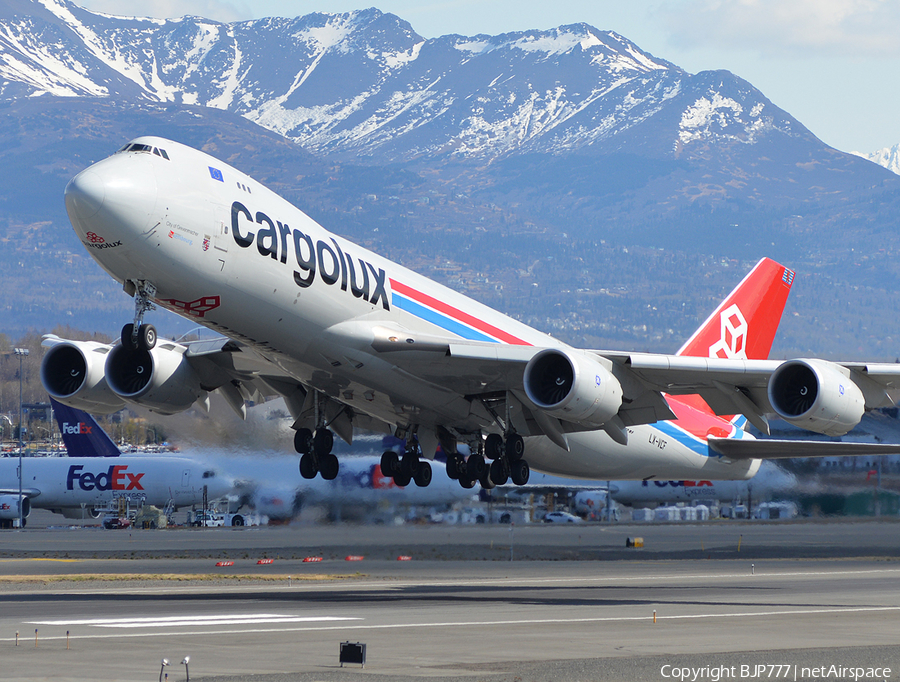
190	621
483	623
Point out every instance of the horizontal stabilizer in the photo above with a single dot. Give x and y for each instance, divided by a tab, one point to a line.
766	448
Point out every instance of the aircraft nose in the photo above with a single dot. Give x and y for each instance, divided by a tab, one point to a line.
112	199
85	194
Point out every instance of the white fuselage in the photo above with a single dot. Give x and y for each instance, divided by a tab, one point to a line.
225	252
96	482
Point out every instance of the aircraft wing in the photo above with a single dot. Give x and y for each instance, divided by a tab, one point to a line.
26	492
765	448
740	386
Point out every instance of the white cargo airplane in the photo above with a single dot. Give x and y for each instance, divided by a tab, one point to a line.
270	486
95	476
354	341
770	480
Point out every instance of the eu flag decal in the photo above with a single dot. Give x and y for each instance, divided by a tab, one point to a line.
216	174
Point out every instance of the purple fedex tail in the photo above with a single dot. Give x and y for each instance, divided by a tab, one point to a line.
81	434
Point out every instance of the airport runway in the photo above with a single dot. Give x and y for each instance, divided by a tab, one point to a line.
456	618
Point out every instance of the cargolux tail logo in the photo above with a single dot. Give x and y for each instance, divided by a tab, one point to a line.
732	343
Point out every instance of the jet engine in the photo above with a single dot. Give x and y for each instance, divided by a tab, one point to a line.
9	507
78	513
160	379
572	387
72	372
816	395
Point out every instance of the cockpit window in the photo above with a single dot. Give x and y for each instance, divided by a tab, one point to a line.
145	148
209	474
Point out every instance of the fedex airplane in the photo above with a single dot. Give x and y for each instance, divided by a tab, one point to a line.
770	480
94	476
355	342
270	486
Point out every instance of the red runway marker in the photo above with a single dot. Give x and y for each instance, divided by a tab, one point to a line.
225	563
265	561
354	557
312	559
403	557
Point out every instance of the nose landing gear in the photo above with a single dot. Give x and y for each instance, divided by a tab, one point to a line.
139	336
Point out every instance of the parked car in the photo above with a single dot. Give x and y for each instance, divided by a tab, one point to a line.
561	517
112	522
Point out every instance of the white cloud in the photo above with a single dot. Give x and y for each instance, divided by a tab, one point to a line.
850	28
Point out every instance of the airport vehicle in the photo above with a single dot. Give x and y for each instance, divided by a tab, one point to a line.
84	486
211	518
355	342
116	522
560	517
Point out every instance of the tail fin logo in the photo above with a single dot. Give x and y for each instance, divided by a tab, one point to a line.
732	343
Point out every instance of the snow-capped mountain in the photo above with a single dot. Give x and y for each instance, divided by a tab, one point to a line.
365	84
889	157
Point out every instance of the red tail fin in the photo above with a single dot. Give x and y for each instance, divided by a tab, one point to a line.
744	324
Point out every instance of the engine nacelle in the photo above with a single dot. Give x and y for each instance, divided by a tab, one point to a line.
9	507
78	512
160	379
572	387
816	395
73	373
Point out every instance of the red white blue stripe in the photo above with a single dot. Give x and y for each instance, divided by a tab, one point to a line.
447	317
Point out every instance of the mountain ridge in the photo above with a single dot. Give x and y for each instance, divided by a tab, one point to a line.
565	176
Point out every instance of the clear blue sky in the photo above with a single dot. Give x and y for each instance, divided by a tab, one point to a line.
832	64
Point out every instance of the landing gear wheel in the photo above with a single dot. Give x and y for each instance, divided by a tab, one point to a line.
409	465
309	466
329	467
519	472
515	447
390	463
499	472
475	467
402	479
455	463
128	337
486	482
493	446
423	475
323	441
303	441
146	337
466	482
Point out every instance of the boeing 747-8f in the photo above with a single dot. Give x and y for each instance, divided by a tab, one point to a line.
354	341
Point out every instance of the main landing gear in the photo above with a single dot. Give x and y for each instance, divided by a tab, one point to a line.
315	450
407	468
499	461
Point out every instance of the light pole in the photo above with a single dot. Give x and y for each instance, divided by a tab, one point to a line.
22	353
187	672
162	667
